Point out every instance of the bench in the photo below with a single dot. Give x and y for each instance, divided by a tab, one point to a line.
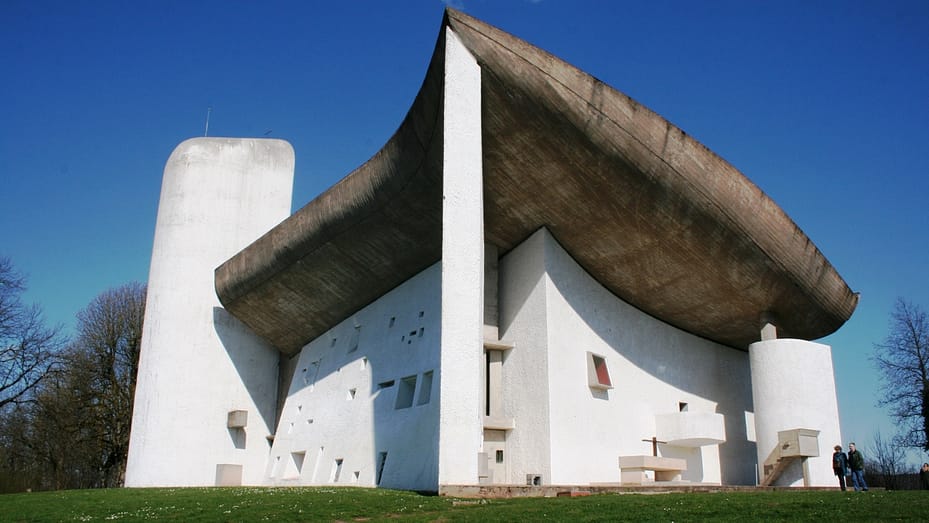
632	469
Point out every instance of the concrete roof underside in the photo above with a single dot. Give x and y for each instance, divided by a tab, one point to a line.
657	218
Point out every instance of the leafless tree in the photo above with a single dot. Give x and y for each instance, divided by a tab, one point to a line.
886	459
903	360
103	363
73	432
27	346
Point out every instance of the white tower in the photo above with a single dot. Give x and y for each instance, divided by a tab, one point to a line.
206	392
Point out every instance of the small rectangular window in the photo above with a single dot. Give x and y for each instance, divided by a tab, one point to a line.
336	470
405	392
598	374
425	389
499	456
381	461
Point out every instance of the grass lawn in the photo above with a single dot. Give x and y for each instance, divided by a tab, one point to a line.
355	504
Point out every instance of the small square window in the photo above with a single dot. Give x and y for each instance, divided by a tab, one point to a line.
598	374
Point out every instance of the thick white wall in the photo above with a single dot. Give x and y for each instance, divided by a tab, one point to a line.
197	362
462	355
396	336
653	367
523	320
793	384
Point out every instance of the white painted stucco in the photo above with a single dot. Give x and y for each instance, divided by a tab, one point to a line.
460	419
197	362
793	385
342	402
573	433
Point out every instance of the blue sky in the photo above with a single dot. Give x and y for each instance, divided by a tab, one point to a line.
823	104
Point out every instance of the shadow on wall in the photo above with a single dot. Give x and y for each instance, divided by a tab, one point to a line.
256	362
637	342
362	406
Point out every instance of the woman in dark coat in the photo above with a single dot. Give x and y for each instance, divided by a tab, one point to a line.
840	465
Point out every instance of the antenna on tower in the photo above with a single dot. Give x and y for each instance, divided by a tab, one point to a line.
208	111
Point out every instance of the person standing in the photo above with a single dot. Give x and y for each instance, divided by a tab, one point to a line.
856	464
924	477
840	465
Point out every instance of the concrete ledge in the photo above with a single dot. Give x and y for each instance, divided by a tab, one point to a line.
550	491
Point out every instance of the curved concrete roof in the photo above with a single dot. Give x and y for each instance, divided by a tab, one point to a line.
653	215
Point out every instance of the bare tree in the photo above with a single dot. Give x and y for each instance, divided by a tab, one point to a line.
27	346
72	429
103	363
903	360
886	460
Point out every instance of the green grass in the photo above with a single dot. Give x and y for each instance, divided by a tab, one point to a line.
352	504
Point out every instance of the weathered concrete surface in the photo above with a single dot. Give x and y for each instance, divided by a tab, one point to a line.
660	220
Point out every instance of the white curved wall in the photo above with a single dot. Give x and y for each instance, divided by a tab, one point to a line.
572	433
793	386
197	362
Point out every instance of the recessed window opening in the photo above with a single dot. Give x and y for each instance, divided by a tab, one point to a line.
391	323
385	384
290	428
333	342
421	313
351	394
499	456
682	406
309	421
381	461
421	332
364	363
486	383
405	392
336	471
353	345
425	389
355	476
298	459
598	374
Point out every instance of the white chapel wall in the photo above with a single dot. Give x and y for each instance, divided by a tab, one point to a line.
654	367
352	401
197	362
794	388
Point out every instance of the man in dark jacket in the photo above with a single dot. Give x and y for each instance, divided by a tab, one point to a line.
856	464
840	465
